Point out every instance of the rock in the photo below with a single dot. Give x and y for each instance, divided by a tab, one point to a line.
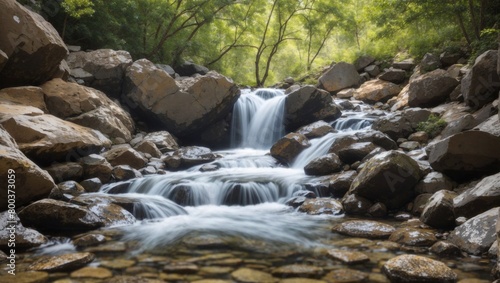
364	229
407	65
409	145
466	154
419	203
373	70
319	206
307	105
480	198
323	165
477	234
292	280
393	125
62	263
87	107
33	47
378	210
89	240
438	211
434	182
25	238
125	172
151	92
187	157
413	237
339	184
96	166
444	248
356	152
125	155
167	68
188	69
247	275
24	95
377	138
66	191
356	205
421	137
346	93
163	140
111	214
430	62
316	129
91	185
339	76
35	182
491	126
448	58
46	138
296	270
376	91
3	59
147	146
289	147
61	172
55	215
388	178
413	268
92	273
392	75
431	89
25	277
346	275
481	84
106	66
363	61
348	257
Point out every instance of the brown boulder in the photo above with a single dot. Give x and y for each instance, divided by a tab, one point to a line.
289	147
24	95
323	165
32	45
339	76
392	75
125	155
376	91
413	268
316	129
413	237
431	89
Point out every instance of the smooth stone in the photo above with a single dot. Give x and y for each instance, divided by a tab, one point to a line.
67	262
92	272
295	270
247	275
215	270
319	206
26	277
345	275
365	229
349	257
181	268
89	240
413	237
118	263
412	268
443	248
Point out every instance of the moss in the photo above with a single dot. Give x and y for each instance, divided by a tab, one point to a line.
433	126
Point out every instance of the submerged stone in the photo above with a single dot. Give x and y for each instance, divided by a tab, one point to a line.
412	268
365	229
67	262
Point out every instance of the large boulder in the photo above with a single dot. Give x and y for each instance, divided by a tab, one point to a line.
483	196
87	107
46	138
413	268
477	234
102	69
323	165
24	95
339	76
33	47
32	182
25	238
467	154
388	178
152	93
376	91
431	89
307	105
438	212
481	84
289	147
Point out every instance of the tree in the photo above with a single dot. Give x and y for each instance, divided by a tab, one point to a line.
76	9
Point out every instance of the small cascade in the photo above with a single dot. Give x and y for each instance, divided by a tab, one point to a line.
319	147
258	119
352	122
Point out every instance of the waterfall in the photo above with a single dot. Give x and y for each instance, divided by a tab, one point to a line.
352	121
258	119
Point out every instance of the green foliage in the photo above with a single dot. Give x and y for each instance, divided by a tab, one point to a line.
78	8
433	126
488	41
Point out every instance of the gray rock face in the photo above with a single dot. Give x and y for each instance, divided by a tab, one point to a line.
434	182
412	268
307	105
466	154
376	91
289	147
152	93
339	76
477	234
438	211
33	47
482	83
483	196
431	89
388	178
323	165
102	69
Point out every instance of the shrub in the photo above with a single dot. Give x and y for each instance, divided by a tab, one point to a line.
433	126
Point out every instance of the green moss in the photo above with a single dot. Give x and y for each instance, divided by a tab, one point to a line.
433	126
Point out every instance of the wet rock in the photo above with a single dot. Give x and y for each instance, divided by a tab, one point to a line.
466	154
376	91
339	76
438	211
35	182
364	229
125	172
289	147
378	210
481	83
92	273
111	214
61	172
25	238
363	61
339	184
407	64
412	268
356	205
307	105
319	206
434	182
247	275
148	147
413	237
66	262
91	185
96	166
25	277
392	75
388	178
118	263
151	92
296	270
187	157
483	196
89	240
31	45
348	257
356	152
444	248
102	69
477	234
378	138
431	89
87	107
55	215
163	140
323	165
419	203
316	129
66	191
345	275
394	125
